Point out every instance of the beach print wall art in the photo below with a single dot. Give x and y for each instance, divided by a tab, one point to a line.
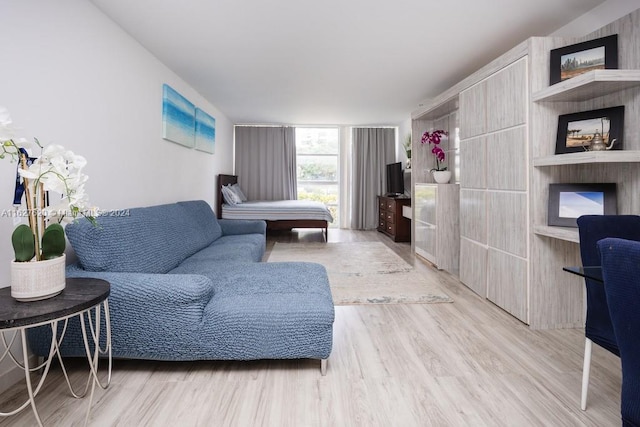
205	132
178	118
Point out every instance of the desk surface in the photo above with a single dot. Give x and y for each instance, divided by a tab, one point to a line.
79	294
594	273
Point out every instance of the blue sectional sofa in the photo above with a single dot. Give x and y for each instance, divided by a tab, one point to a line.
187	286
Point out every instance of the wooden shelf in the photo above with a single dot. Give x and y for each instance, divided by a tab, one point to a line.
568	234
589	85
612	156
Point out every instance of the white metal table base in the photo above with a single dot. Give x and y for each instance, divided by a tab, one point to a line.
94	329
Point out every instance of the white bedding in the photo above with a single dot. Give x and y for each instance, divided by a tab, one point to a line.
278	210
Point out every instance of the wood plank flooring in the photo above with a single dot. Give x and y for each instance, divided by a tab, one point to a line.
462	364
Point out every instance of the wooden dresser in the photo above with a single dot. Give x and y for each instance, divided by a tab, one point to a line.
390	221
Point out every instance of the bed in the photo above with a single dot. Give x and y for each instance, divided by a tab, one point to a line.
278	214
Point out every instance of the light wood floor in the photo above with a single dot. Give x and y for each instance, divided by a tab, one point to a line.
462	364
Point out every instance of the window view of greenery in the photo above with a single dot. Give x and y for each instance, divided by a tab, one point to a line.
317	157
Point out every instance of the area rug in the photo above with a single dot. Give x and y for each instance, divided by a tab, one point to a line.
364	273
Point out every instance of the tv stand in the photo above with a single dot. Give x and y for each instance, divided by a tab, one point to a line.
390	219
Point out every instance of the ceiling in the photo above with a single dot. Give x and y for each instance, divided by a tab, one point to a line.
360	62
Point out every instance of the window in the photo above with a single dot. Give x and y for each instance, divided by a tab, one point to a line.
318	175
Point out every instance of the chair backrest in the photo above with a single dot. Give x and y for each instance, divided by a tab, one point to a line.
621	273
592	228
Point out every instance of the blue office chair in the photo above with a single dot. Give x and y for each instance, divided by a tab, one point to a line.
621	273
598	328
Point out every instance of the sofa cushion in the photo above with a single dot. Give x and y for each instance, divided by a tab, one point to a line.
269	311
240	248
204	218
147	240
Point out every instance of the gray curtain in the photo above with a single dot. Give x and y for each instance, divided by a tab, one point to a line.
265	162
372	150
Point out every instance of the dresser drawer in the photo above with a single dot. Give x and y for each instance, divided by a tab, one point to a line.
391	228
390	217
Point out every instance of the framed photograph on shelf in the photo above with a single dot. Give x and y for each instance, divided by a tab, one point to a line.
576	130
567	202
570	61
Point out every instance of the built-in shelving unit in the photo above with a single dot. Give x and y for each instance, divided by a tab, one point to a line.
612	156
589	85
508	253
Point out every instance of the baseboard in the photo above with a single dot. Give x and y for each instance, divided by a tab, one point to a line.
13	375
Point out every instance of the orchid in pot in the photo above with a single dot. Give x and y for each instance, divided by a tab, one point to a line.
38	269
440	173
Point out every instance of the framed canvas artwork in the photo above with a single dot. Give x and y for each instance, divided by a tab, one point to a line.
178	118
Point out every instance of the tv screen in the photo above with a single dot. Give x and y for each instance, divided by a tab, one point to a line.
395	179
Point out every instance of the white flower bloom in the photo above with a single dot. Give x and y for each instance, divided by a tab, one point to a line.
6	125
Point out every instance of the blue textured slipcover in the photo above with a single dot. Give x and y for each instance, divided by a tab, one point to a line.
206	299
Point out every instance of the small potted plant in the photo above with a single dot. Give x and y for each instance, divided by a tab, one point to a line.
440	173
38	271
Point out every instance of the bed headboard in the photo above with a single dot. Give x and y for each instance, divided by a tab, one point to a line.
223	180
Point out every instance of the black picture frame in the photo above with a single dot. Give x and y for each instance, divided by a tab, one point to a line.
574	130
559	56
567	202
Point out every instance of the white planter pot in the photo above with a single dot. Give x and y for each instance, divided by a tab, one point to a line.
36	280
441	177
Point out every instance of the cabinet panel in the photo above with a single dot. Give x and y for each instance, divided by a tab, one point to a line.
473	110
507	97
507	160
426	203
507	222
437	227
507	283
473	162
473	224
426	241
473	266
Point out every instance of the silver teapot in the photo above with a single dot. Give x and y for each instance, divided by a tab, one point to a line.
597	143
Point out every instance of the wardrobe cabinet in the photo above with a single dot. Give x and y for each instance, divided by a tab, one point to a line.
507	119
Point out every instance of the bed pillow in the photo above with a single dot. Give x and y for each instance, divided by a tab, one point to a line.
230	197
236	189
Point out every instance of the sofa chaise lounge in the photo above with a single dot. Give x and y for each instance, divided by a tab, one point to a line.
187	286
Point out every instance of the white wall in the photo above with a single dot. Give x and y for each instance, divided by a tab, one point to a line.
71	76
597	18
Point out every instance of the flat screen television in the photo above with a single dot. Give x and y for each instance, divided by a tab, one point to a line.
395	179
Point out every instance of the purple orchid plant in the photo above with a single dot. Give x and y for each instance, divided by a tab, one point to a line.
434	138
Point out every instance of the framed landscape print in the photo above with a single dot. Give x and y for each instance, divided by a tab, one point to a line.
576	130
567	202
570	61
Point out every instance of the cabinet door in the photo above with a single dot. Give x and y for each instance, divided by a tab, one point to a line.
425	200
426	241
473	110
507	97
507	283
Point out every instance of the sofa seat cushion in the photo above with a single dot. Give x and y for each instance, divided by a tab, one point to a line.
147	240
269	311
242	248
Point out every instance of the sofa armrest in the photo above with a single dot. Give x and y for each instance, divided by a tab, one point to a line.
242	226
174	289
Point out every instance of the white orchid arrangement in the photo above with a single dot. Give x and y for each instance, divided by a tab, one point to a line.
56	171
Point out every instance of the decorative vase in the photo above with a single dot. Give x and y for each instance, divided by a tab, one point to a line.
38	280
441	177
